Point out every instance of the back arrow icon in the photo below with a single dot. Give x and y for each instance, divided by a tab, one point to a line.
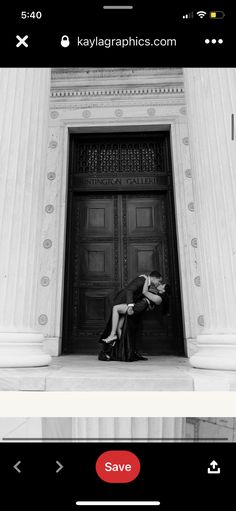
60	467
16	467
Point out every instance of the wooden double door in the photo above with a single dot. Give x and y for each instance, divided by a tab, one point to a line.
115	237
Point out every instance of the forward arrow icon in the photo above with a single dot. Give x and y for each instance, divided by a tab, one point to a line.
60	467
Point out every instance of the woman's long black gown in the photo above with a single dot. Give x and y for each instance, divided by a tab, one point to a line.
124	349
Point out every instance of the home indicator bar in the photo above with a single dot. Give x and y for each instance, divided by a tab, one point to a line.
119	503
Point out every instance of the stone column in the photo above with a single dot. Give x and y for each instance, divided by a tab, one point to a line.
128	428
57	428
211	100
24	104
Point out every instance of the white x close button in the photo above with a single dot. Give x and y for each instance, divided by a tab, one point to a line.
22	41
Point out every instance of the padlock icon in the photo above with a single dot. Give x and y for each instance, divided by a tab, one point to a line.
65	41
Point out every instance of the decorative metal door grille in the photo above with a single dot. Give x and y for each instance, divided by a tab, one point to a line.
114	158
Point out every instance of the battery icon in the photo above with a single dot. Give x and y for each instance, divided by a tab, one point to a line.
217	15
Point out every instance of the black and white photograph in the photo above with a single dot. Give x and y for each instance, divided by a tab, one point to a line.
117	207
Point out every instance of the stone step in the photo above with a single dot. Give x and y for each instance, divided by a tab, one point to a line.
86	373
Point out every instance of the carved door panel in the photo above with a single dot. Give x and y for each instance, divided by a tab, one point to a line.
115	238
144	234
96	272
145	248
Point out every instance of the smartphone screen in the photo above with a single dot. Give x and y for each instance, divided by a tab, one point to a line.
117	255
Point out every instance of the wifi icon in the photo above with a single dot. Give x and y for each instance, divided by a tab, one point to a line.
201	14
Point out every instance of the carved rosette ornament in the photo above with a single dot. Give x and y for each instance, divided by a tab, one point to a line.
49	208
200	320
47	243
54	114
53	144
45	281
51	176
191	206
151	112
188	173
42	319
194	242
118	112
86	114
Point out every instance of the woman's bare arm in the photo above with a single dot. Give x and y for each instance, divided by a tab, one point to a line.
153	298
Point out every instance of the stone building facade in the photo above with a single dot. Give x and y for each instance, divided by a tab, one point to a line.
40	108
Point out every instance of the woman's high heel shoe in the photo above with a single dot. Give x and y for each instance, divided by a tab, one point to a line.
109	339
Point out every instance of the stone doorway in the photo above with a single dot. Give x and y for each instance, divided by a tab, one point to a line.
120	224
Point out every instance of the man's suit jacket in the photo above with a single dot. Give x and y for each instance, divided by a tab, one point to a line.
131	293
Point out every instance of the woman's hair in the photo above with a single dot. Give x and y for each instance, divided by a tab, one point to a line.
167	289
165	299
164	306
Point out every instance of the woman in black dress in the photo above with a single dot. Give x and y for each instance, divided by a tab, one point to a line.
121	346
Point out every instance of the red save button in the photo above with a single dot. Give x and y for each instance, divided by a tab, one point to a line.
118	466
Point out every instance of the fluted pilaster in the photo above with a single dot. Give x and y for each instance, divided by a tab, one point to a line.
128	428
24	102
211	99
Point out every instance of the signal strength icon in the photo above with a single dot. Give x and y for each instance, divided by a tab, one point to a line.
188	16
201	14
